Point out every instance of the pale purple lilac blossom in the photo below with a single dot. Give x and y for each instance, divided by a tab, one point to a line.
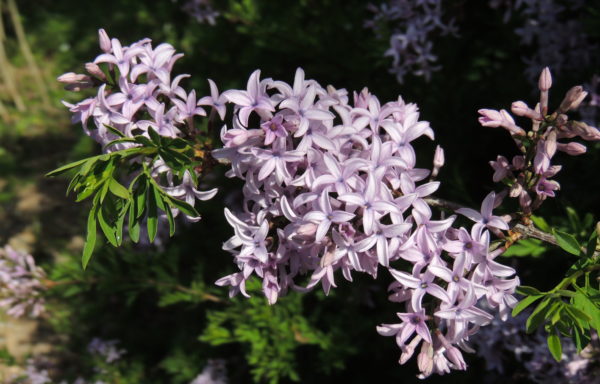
414	24
528	175
21	284
132	106
339	191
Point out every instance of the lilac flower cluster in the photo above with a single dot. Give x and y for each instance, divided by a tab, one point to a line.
414	24
33	374
201	10
502	341
554	32
21	284
331	186
137	93
106	349
528	175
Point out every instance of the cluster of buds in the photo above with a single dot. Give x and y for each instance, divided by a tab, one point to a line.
332	186
528	175
136	93
21	284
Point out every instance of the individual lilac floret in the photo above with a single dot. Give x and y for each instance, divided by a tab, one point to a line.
106	349
21	284
485	217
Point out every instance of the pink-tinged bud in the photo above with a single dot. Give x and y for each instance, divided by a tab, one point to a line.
438	161
438	158
71	78
545	81
308	229
525	202
490	118
456	358
550	145
409	350
572	149
518	162
425	359
515	190
75	82
584	131
94	70
572	99
519	108
235	137
105	43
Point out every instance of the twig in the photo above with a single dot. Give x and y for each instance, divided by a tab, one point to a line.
523	230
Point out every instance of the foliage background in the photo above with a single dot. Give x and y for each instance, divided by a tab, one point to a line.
160	302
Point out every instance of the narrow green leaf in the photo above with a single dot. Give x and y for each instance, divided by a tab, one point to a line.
114	130
118	190
528	291
567	242
526	302
152	223
154	136
591	244
554	345
107	229
90	240
538	315
580	338
120	222
171	221
183	206
541	223
66	168
581	318
146	142
134	223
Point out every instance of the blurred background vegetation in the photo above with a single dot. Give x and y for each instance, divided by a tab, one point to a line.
160	302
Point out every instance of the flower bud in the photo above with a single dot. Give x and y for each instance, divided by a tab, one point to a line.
425	359
94	70
519	108
516	190
438	161
584	131
518	162
75	82
456	358
105	43
572	149
572	99
545	81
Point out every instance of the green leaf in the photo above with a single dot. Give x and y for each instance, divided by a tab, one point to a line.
528	291
66	168
582	302
107	229
581	318
154	136
567	242
538	315
580	338
541	223
526	302
134	224
90	240
118	190
591	244
114	130
183	206
152	224
120	222
554	345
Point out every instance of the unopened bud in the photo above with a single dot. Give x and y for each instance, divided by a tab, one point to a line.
550	144
519	108
105	43
94	70
572	99
572	149
456	358
438	161
518	162
516	190
545	81
425	359
585	131
75	82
